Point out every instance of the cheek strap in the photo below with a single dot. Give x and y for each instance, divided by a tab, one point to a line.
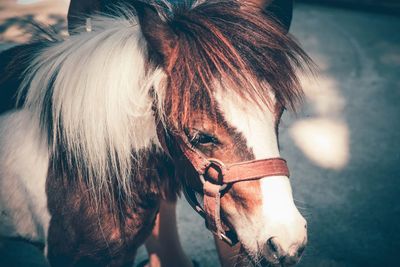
212	208
216	178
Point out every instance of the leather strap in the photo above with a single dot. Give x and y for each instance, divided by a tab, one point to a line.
212	204
216	177
251	170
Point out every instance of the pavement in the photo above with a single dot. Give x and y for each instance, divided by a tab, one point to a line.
342	146
16	17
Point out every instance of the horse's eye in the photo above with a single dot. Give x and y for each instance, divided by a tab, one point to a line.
200	138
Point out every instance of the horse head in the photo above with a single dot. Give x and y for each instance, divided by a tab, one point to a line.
230	71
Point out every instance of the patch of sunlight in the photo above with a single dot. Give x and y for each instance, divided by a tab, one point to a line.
13	32
324	141
324	136
322	61
323	94
17	15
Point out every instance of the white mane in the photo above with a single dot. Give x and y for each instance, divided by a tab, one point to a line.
95	87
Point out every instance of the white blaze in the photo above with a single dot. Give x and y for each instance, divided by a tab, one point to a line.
278	215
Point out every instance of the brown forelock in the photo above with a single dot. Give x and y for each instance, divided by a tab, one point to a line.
234	43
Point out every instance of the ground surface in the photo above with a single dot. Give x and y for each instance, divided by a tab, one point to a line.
342	147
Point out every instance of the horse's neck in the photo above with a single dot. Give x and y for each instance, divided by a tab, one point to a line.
112	221
92	93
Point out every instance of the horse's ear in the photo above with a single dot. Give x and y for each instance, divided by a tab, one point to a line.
160	38
282	10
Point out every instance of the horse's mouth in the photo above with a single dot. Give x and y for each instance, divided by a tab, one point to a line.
264	261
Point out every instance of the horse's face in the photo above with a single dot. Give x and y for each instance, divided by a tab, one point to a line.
262	212
225	66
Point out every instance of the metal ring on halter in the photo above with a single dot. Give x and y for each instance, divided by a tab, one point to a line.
226	239
223	187
217	163
229	240
203	181
221	167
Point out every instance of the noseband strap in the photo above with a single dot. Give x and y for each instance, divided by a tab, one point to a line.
216	178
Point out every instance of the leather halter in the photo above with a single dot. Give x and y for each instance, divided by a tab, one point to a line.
216	178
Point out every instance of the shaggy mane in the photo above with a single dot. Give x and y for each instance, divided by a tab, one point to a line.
90	93
235	44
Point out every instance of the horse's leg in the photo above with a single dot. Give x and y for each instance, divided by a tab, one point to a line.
163	245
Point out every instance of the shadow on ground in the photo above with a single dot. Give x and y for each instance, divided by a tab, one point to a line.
24	28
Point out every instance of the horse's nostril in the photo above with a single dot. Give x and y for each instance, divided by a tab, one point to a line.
276	254
274	250
273	245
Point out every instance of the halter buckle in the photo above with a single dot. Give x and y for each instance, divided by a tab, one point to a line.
220	168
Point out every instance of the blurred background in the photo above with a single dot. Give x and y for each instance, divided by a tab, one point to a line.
343	147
